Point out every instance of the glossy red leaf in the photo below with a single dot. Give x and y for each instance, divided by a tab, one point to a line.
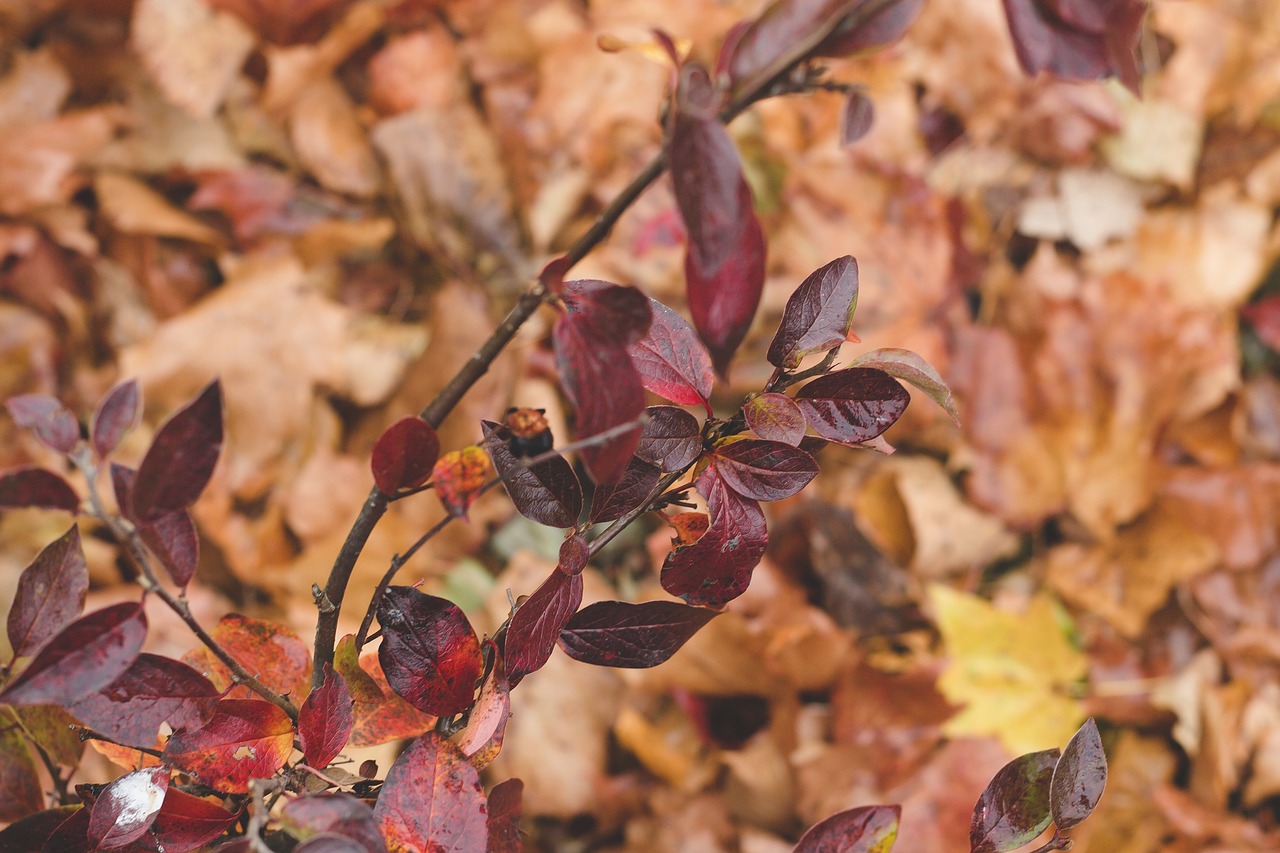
617	498
536	625
1079	778
173	539
404	454
51	422
432	800
20	793
84	657
1014	808
152	691
50	594
869	27
818	314
775	417
1082	40
671	439
271	651
866	829
325	720
429	651
460	476
857	115
181	458
36	487
31	832
631	636
127	807
852	406
505	801
548	492
717	568
481	740
672	361
763	470
187	823
909	367
724	259
245	739
574	553
116	415
334	814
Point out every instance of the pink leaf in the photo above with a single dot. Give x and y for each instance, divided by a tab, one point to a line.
325	720
717	568
429	651
118	413
404	454
181	458
56	427
36	487
50	594
481	740
536	624
432	800
672	362
631	636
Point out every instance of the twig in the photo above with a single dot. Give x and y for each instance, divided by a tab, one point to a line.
259	788
85	733
1058	842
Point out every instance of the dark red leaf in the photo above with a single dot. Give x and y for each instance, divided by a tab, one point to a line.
717	568
245	739
631	636
724	260
852	406
866	829
181	458
173	539
672	362
325	720
50	594
504	817
118	413
552	274
1075	47
1264	316
20	793
404	454
861	31
486	727
536	624
548	492
574	553
122	479
56	427
328	842
1014	808
671	439
432	800
127	807
31	833
909	367
336	814
763	470
775	417
71	836
36	487
614	500
1079	778
272	651
459	477
818	314
611	313
187	823
152	691
429	651
84	657
857	116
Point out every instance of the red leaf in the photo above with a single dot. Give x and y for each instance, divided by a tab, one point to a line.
866	829
50	594
337	814
880	28
187	823
574	553
71	836
672	362
724	261
481	740
180	460
504	817
36	487
775	417
909	367
616	499
404	454
31	832
852	406
1264	316
610	313
20	793
1073	46
857	116
818	314
671	439
1014	808
459	477
385	719
84	657
548	492
1079	778
173	539
432	800
429	651
631	636
325	720
536	624
271	651
118	413
127	807
763	470
56	427
244	739
152	691
717	568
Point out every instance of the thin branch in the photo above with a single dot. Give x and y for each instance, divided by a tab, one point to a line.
1058	842
60	792
85	733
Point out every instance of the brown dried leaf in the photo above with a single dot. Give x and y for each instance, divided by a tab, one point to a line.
330	141
192	51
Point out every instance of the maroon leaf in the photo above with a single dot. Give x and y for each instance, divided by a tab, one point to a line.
724	261
56	427
856	117
173	539
1079	778
245	739
429	651
574	553
20	793
325	720
84	657
118	413
31	832
336	814
181	458
432	800
187	823
866	829
536	624
775	417
869	28
671	439
631	636
328	842
614	500
818	314
672	362
122	479
1078	40
36	487
1014	808
547	492
486	727
50	594
152	691
909	367
127	807
404	454
71	836
717	568
854	405
763	470
504	817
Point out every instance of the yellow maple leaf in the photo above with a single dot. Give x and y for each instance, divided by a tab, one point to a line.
1014	673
